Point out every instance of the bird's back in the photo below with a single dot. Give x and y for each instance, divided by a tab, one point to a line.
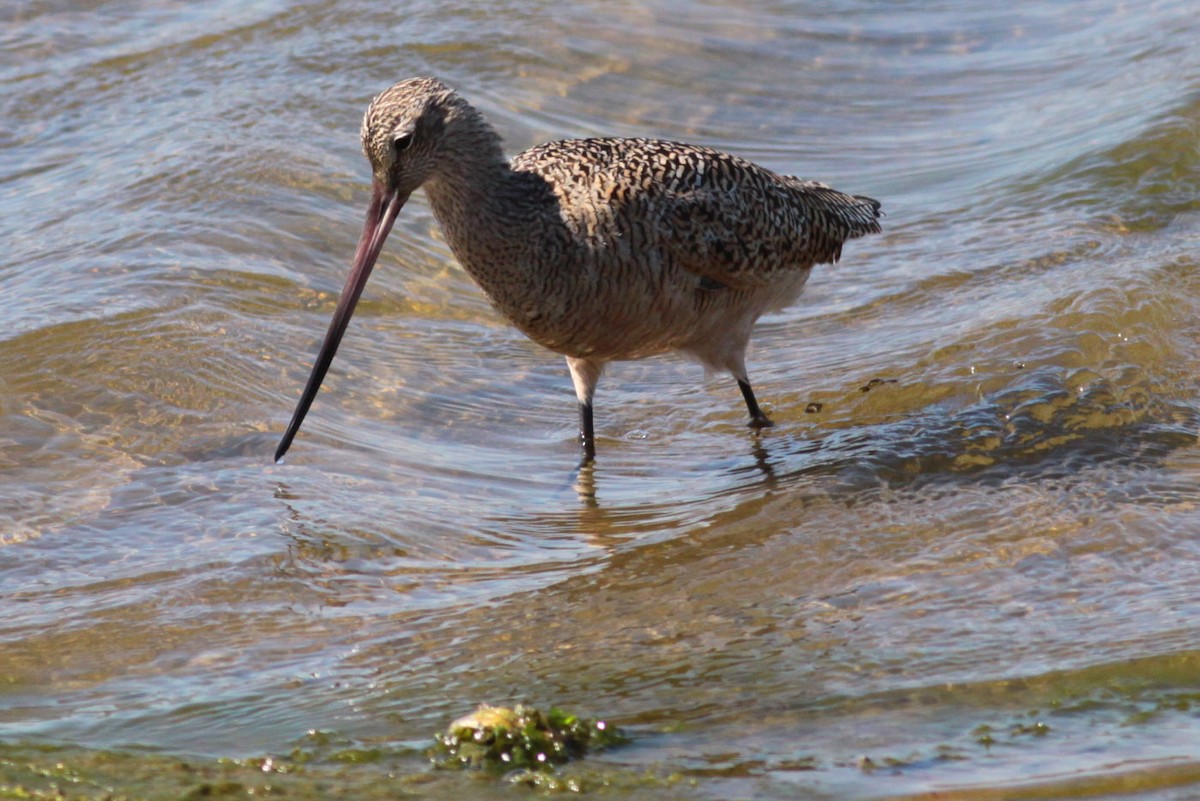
717	215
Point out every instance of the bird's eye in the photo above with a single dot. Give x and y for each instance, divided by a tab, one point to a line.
402	142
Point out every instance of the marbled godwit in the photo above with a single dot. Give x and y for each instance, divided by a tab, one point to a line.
598	249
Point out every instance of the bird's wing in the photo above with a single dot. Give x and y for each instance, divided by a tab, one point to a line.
740	234
714	214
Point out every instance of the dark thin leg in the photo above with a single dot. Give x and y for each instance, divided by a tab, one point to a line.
587	434
757	418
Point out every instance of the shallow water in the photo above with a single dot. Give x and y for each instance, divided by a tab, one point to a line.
974	567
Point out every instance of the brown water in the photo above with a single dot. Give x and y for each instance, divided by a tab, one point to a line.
975	567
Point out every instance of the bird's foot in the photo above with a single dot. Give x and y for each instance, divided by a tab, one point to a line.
760	421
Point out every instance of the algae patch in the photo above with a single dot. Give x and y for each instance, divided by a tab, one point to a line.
520	738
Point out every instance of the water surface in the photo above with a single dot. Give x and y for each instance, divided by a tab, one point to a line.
973	568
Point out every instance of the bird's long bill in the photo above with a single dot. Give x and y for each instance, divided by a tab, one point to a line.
381	214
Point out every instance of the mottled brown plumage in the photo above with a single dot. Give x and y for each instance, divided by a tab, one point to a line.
598	249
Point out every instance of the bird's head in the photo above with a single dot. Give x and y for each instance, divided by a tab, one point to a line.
404	129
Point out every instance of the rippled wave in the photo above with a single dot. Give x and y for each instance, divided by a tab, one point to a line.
979	498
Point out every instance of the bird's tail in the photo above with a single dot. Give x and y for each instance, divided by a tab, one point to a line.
838	217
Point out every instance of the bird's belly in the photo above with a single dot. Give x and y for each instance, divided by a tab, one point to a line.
634	322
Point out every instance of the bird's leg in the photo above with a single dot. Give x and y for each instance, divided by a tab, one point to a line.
587	433
585	373
757	418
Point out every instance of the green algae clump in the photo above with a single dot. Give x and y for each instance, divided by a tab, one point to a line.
520	738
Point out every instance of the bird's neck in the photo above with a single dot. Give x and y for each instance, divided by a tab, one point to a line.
463	200
501	226
480	204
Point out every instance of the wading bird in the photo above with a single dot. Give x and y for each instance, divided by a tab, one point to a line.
599	249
